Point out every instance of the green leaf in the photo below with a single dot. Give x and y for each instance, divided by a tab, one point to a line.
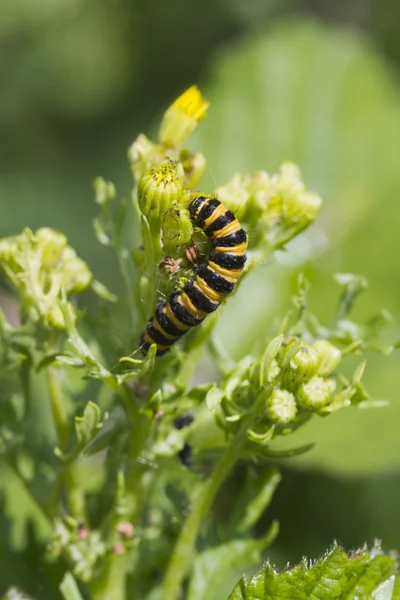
364	574
214	566
69	588
254	499
87	428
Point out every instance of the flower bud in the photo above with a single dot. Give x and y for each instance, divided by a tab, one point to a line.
52	243
76	275
176	229
140	156
104	191
55	316
281	407
159	191
300	206
329	357
194	165
303	365
8	249
316	393
182	117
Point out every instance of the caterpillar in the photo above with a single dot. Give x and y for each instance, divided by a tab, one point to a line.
213	280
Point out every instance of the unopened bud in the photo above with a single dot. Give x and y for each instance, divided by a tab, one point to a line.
160	190
140	156
281	407
316	393
329	357
182	117
303	365
55	316
8	249
194	165
52	243
176	229
76	275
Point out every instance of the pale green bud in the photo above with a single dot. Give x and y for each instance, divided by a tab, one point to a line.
53	244
182	117
104	191
329	357
316	393
75	273
55	316
8	249
281	407
302	207
176	229
303	365
140	156
299	205
160	190
194	165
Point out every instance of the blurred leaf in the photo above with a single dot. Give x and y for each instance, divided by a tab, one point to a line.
254	499
365	574
69	588
213	567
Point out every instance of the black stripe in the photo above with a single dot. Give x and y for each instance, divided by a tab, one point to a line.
228	261
145	346
158	337
233	239
165	322
181	313
199	299
195	204
219	223
214	280
207	210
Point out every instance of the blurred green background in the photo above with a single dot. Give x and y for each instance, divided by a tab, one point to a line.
305	80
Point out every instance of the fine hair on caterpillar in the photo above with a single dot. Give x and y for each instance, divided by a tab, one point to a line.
213	280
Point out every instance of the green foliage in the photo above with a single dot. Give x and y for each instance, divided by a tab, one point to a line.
364	574
324	98
135	455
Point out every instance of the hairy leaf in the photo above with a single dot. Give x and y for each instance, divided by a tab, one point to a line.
364	574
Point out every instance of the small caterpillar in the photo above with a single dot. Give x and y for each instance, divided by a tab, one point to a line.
212	282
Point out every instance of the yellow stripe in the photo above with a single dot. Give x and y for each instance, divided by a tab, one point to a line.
218	212
228	229
149	340
229	274
207	291
190	307
238	250
157	326
167	310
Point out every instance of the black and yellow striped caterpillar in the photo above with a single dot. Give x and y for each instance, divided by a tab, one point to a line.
213	281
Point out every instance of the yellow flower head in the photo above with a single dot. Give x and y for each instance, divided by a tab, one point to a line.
182	117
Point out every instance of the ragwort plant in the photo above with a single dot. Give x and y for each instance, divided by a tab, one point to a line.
133	455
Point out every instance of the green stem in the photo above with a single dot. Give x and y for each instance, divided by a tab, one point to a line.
76	500
184	546
111	585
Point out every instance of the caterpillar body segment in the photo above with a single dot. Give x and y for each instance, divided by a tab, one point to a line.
212	282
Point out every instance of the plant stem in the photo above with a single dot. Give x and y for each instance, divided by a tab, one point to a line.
184	546
75	496
111	585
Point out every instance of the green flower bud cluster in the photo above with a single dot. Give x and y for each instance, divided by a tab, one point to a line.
40	265
305	370
81	546
179	121
290	382
274	207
